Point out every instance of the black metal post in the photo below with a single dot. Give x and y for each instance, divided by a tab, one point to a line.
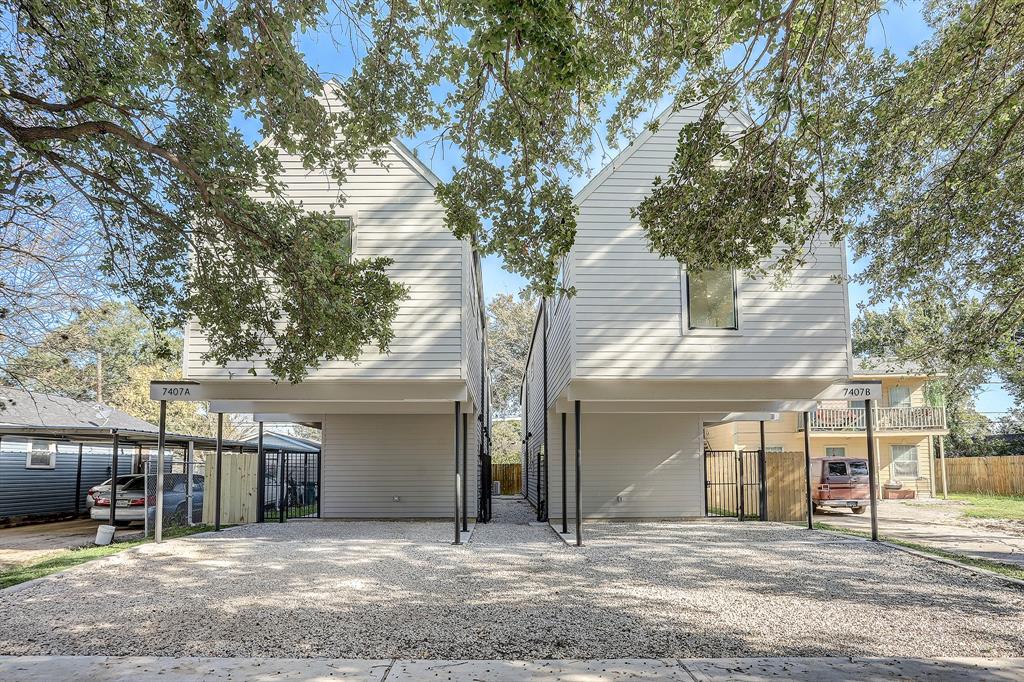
807	466
220	470
762	486
161	443
565	484
525	408
742	483
305	483
319	479
458	418
78	483
872	477
465	471
543	512
579	491
282	491
261	473
113	477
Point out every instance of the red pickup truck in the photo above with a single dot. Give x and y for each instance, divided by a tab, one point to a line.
840	482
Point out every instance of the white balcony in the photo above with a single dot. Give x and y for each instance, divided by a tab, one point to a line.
833	419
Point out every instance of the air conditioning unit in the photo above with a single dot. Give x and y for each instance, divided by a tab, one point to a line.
496	487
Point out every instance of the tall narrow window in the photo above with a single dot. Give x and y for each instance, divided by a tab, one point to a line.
348	242
711	299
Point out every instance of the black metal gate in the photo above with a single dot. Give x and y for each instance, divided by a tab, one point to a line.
484	478
734	484
291	486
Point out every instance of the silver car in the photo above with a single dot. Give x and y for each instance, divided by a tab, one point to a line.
132	502
104	489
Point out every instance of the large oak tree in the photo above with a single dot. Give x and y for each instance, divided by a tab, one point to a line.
134	107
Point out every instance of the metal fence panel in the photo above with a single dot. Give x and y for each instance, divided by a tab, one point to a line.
184	490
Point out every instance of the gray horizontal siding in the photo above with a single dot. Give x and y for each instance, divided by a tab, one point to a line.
369	459
396	216
629	317
654	462
39	492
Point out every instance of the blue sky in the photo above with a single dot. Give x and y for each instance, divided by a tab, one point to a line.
899	30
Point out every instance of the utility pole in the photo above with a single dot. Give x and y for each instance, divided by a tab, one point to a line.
99	377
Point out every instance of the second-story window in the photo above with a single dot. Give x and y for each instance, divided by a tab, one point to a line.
348	243
711	299
899	396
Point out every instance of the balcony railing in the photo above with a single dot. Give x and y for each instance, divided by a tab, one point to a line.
885	419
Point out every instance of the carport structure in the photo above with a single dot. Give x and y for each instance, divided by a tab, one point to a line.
128	448
639	453
389	449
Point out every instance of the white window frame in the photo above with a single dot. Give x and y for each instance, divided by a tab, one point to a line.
903	388
352	218
834	447
892	461
684	302
774	448
30	451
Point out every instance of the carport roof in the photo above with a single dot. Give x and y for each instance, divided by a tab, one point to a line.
22	408
104	434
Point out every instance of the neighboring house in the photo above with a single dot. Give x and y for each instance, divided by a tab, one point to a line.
905	427
389	421
41	471
274	441
649	353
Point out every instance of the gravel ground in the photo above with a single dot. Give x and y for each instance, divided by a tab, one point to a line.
399	590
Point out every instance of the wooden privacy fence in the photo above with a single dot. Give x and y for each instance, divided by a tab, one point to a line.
238	494
510	475
993	475
785	476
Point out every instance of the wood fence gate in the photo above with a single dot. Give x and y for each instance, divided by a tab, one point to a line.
510	476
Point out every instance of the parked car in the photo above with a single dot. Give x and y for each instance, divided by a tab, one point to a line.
104	488
132	502
840	482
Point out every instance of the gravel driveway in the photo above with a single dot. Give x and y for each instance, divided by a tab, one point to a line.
399	590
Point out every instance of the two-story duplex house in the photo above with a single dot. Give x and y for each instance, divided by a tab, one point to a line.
646	353
905	424
391	423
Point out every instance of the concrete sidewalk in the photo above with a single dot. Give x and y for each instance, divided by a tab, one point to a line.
936	524
131	669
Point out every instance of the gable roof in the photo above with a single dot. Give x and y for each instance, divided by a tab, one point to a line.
664	117
22	408
398	147
272	440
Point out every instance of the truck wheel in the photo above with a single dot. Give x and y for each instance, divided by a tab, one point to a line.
859	510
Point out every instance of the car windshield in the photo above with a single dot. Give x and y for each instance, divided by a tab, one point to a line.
859	468
121	480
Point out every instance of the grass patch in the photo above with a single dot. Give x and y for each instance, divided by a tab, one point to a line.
981	506
1008	570
66	558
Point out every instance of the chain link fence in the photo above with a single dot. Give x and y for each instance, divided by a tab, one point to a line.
184	484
